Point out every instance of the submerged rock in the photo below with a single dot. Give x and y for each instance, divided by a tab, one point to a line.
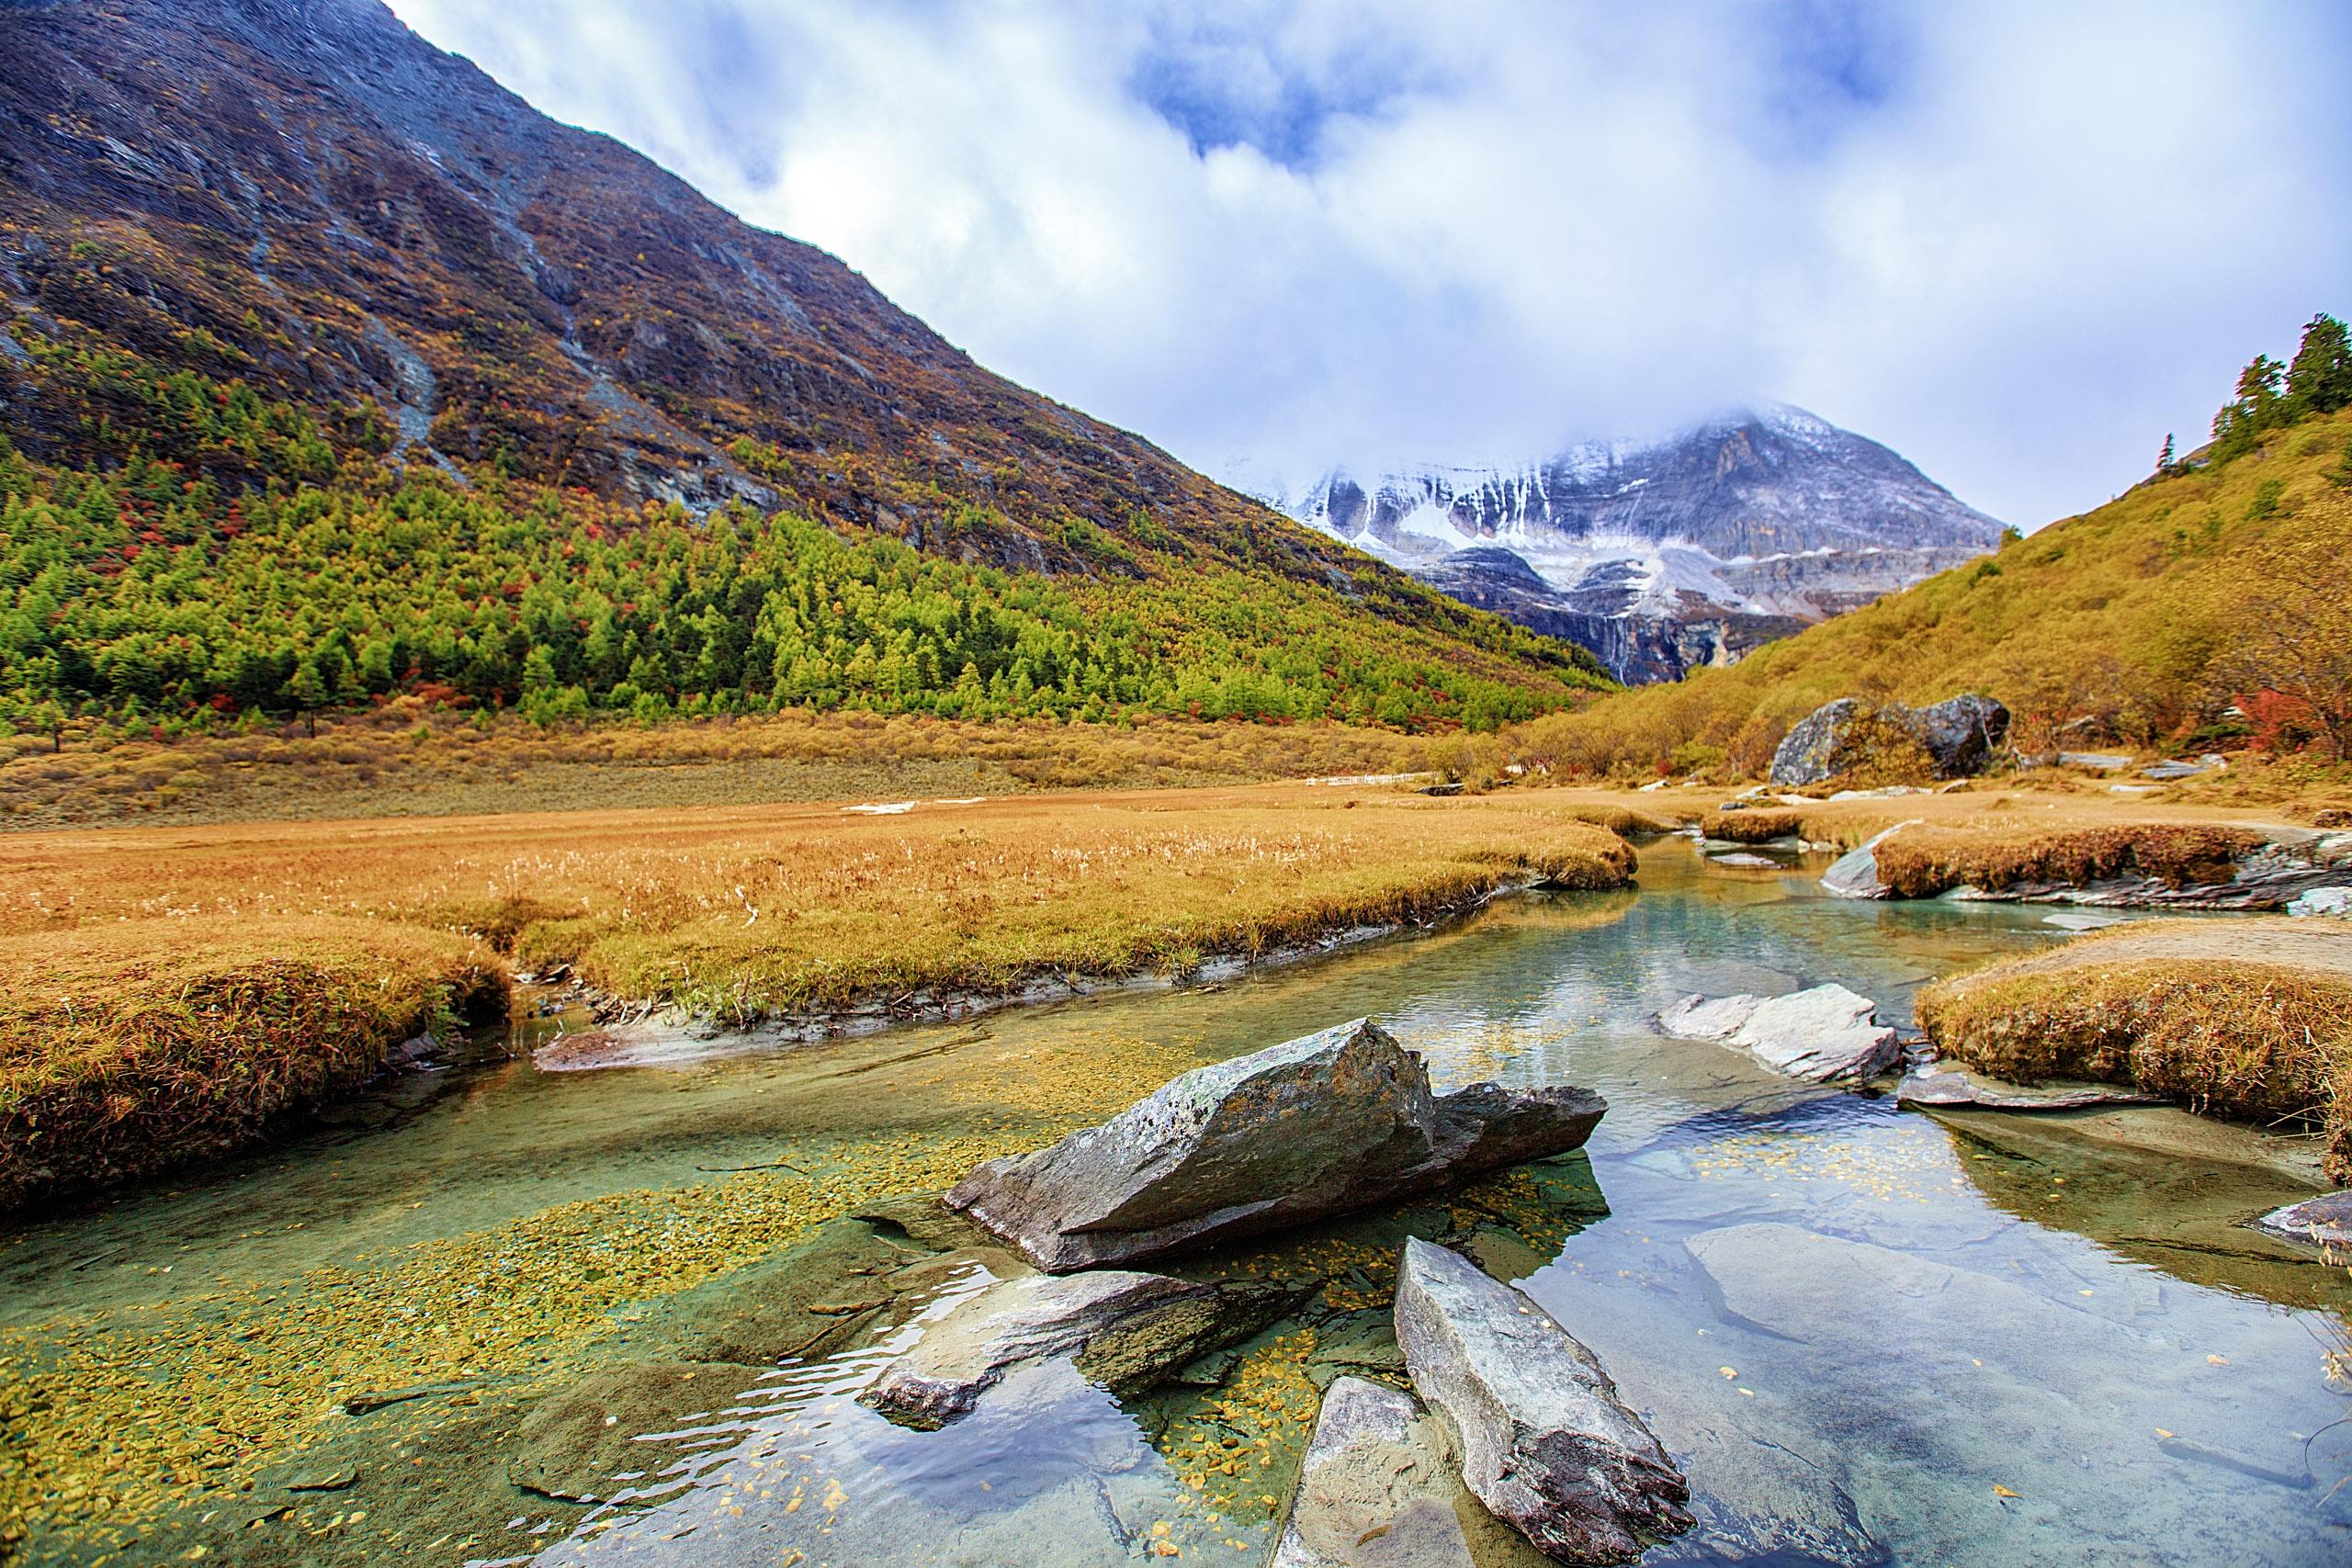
1380	1486
1315	1126
2324	1221
1822	1034
1956	1091
1546	1444
1125	1331
618	1425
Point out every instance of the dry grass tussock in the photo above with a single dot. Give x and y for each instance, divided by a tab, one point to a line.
1922	862
121	1051
1753	826
326	942
2266	1037
413	759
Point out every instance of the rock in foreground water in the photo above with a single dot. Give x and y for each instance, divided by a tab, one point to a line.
1825	1034
1546	1444
1315	1126
1381	1487
1123	1331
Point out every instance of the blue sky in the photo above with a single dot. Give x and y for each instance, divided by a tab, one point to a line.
2017	241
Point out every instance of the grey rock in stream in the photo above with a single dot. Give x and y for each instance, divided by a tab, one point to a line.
2324	1220
1315	1126
1546	1444
1381	1487
1854	874
1823	1035
1125	1331
1957	1092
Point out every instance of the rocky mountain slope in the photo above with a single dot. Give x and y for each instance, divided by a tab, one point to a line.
298	213
1667	555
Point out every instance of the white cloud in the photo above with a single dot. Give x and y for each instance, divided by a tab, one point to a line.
2017	242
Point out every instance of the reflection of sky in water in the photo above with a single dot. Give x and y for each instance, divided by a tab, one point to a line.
1853	1350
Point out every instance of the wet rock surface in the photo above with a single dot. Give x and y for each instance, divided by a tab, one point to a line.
1941	1089
1315	1126
1546	1444
1825	1034
2324	1220
1854	874
1381	1487
603	1435
1125	1331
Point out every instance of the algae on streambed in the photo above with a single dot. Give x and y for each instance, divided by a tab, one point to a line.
567	1278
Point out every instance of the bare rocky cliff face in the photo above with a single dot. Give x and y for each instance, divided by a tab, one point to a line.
1664	556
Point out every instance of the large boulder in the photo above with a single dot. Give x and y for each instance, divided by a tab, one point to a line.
1810	753
1961	733
1824	1036
1545	1442
1123	1331
1959	736
1315	1126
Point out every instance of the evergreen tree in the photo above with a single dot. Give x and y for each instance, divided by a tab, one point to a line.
2320	380
2165	464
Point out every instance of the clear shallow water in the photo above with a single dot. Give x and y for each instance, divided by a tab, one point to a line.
1867	1334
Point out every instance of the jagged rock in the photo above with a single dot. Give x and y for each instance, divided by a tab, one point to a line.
1821	1034
2321	901
1960	736
2324	1221
1380	1486
1125	1331
2168	771
1854	874
1808	752
1961	733
1546	1444
1958	1092
1315	1127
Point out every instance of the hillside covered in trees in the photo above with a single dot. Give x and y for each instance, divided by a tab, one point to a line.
330	370
2203	606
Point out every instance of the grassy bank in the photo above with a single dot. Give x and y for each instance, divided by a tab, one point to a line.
2250	1018
410	758
125	1048
168	992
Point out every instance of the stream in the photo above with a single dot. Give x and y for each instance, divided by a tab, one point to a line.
1867	1335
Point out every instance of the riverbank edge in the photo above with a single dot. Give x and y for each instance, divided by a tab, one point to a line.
2267	1043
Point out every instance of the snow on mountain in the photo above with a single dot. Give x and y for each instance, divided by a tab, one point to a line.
1740	527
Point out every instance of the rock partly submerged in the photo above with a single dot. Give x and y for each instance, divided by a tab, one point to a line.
1545	1442
1123	1331
1825	1034
1315	1126
1380	1486
1935	1089
2324	1220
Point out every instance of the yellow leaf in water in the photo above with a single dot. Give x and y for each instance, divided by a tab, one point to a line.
2218	1360
2003	1492
2162	1433
1727	1371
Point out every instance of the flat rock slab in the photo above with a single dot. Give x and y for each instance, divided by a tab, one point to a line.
1854	874
1822	1035
1315	1126
2324	1221
1947	1090
1381	1487
1125	1331
1546	1444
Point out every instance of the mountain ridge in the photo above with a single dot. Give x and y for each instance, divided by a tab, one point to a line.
1722	535
268	244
